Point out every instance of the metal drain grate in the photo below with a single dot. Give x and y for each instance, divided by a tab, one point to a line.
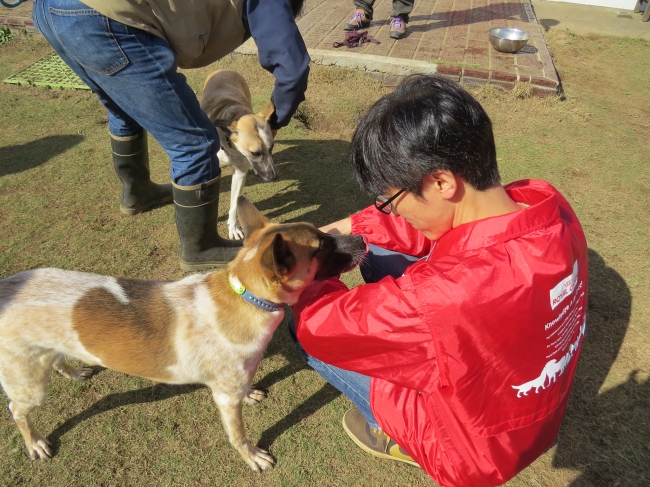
51	72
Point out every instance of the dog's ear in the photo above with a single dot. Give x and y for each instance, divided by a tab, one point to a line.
250	218
226	125
268	111
277	257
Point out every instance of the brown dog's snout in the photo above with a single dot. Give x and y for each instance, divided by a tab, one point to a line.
267	173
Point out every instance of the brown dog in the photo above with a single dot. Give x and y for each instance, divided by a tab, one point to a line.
246	138
206	328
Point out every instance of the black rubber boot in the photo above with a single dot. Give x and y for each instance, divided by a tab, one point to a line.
131	163
197	209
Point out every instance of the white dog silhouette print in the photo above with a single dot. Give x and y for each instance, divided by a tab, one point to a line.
552	369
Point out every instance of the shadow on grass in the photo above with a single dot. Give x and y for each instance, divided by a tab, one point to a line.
548	23
280	344
283	344
19	158
322	188
159	392
605	435
325	395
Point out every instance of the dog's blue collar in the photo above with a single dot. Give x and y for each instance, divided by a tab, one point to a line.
240	289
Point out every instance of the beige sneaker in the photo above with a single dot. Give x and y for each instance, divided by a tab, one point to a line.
373	441
397	28
358	21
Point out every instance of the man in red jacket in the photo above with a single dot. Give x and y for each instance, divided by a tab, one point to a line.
460	350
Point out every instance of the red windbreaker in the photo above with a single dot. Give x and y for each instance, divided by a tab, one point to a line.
472	352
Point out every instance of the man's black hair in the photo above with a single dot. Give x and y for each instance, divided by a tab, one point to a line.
427	124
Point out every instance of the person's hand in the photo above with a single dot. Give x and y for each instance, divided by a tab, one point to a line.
341	227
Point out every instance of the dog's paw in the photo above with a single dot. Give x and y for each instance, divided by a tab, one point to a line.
74	373
235	233
254	396
39	449
259	460
80	373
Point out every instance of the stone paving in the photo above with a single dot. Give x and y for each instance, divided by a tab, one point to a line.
445	37
450	35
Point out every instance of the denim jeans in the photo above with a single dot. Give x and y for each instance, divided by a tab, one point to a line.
377	264
134	74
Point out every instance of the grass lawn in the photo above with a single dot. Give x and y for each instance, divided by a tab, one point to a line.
59	208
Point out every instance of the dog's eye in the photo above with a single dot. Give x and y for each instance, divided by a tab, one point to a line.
256	154
322	244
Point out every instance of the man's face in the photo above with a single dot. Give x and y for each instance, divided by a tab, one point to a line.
433	213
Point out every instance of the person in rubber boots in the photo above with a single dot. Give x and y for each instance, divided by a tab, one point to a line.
128	52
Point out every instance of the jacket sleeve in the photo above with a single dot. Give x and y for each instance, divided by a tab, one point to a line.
373	329
282	52
390	232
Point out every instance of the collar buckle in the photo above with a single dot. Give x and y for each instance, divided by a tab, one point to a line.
241	290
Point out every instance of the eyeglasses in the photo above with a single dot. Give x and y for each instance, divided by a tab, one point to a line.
383	204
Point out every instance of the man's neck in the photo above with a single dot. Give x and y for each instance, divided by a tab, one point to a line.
478	205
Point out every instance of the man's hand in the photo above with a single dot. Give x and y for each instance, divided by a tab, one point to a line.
341	227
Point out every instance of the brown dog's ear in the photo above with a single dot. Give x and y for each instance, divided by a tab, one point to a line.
268	111
277	257
250	218
228	126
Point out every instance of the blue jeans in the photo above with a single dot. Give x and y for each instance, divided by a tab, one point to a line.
134	74
377	264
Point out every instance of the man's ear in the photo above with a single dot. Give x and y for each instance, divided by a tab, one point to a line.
443	183
268	111
249	217
227	126
277	257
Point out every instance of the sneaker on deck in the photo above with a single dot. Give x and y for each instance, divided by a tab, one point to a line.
397	27
371	440
358	21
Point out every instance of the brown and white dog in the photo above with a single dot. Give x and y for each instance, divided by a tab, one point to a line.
246	138
195	330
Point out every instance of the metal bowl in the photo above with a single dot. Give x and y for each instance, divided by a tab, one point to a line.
507	39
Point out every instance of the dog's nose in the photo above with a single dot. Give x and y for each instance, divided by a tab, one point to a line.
269	175
365	241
